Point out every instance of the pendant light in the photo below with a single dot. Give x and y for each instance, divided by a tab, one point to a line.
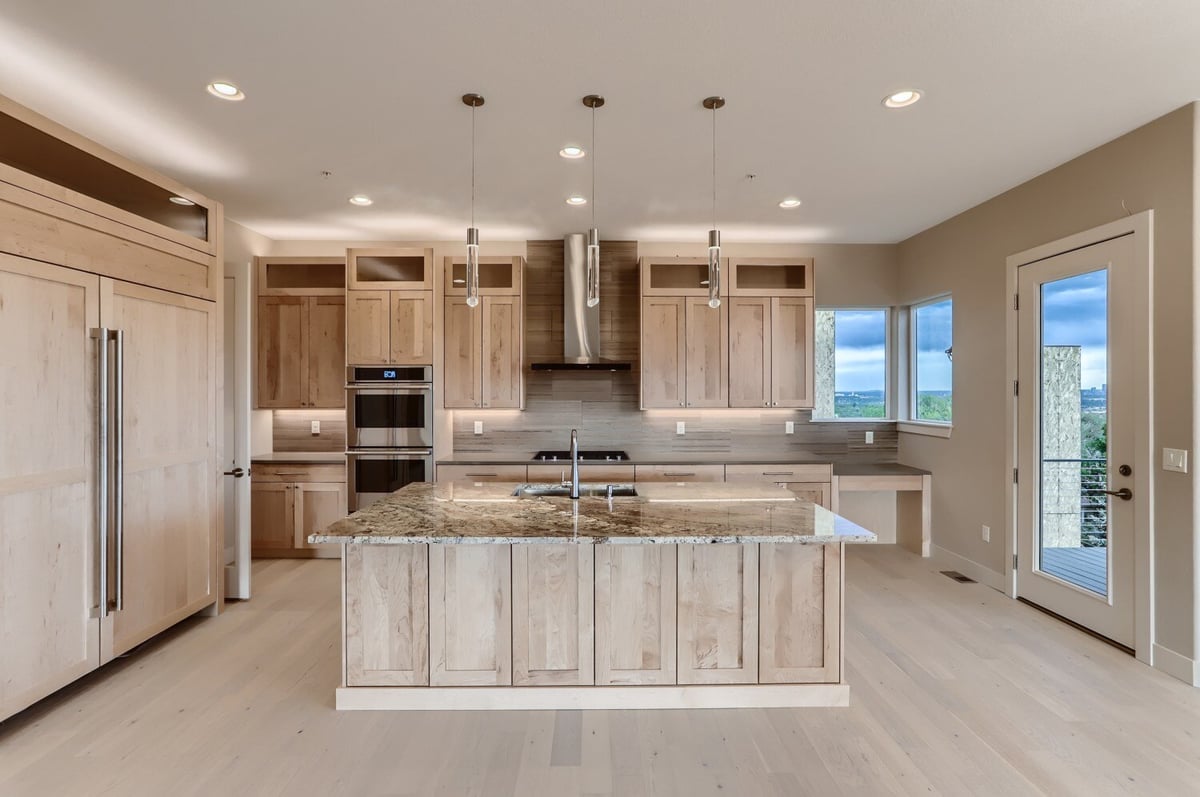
714	235
593	101
473	101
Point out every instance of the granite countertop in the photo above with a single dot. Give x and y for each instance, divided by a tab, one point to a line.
480	513
300	458
668	459
877	469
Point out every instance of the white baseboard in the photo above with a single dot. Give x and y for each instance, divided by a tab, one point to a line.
968	567
1176	665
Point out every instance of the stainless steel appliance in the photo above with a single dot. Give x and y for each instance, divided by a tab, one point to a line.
389	406
584	456
389	430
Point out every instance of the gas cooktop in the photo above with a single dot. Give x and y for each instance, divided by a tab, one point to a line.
584	456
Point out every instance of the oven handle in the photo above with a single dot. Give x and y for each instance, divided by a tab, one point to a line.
385	453
390	389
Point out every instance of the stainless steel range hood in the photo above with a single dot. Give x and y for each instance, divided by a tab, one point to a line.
581	324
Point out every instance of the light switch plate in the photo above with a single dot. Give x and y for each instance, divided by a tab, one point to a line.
1175	459
679	427
870	438
789	427
478	427
987	533
316	427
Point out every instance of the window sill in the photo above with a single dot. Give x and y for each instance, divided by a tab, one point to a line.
927	428
852	420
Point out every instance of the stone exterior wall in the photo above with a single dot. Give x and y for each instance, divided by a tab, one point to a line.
1061	439
826	342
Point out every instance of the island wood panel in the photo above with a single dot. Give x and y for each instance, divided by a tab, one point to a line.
818	493
470	615
553	622
718	614
500	352
635	614
318	505
272	513
411	327
749	352
664	352
792	372
282	371
800	613
49	627
707	336
170	542
368	327
462	376
387	615
325	352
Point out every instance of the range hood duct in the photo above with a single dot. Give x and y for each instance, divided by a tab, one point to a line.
581	324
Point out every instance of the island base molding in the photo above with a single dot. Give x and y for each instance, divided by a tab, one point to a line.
590	698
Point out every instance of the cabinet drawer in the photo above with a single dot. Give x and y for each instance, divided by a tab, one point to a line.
299	473
778	473
481	473
588	473
680	473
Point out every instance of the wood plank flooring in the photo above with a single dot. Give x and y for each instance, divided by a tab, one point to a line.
955	690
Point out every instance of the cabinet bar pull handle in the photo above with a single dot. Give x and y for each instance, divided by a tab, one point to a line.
778	473
678	473
101	335
119	462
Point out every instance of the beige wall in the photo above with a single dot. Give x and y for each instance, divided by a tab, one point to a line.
1151	167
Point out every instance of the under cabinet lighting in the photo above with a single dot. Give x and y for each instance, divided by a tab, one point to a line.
902	98
225	91
571	152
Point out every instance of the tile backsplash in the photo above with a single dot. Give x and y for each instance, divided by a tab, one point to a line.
292	430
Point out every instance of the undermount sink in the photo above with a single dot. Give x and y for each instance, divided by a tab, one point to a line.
554	490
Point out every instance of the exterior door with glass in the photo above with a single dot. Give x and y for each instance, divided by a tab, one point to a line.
1076	485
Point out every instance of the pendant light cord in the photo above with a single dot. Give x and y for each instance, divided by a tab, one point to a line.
593	166
472	165
714	165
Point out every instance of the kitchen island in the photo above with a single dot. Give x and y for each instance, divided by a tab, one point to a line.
470	596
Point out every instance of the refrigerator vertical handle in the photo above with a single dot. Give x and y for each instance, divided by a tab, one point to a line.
119	463
101	335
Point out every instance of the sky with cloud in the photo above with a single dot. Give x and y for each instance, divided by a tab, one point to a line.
1075	313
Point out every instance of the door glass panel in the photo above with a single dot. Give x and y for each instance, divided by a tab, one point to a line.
1073	515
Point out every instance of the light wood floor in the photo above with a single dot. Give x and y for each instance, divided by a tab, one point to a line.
955	690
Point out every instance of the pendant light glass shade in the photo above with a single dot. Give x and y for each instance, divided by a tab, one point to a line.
714	268
593	267
472	267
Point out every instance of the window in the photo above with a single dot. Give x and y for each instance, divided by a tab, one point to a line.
851	364
933	360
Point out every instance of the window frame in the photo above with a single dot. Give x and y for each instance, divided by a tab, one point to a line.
889	404
912	421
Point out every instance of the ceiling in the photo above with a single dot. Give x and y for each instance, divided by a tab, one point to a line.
369	91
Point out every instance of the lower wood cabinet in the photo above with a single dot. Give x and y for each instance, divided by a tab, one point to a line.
288	503
470	615
387	615
718	614
552	599
635	614
800	617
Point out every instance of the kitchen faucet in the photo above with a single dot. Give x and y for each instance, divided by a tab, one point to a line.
575	464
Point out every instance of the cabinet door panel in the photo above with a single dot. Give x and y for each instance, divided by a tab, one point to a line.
553	590
707	333
664	353
462	375
791	353
272	514
799	630
470	615
412	327
501	351
387	615
368	327
749	352
326	351
635	614
318	505
282	337
816	492
718	614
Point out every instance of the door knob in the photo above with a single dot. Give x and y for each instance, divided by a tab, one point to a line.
236	473
1125	470
1124	493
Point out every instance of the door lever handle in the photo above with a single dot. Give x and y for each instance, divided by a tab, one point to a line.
236	473
1124	493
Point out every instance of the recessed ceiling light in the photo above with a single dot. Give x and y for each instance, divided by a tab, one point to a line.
181	200
571	152
576	200
226	91
790	203
362	200
902	98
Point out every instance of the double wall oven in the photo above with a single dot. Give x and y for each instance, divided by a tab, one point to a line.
389	430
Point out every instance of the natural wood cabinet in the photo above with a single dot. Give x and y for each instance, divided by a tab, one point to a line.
498	276
288	503
390	268
685	353
482	353
771	352
635	614
481	473
272	514
677	276
765	276
680	473
301	345
552	598
387	615
470	615
389	327
707	367
301	276
718	614
800	612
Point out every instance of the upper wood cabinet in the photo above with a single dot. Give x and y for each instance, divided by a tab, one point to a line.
301	345
677	276
764	276
389	327
301	276
685	353
771	352
498	276
482	351
391	268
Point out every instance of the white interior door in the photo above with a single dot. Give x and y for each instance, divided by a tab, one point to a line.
1077	425
236	451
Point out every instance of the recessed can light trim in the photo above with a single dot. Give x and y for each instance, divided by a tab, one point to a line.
902	98
790	202
572	152
226	91
576	199
361	200
182	200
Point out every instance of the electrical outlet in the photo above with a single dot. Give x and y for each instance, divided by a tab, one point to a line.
680	427
789	427
870	438
987	533
1175	459
316	427
478	427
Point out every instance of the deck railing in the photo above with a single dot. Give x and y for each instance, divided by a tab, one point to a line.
1093	501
